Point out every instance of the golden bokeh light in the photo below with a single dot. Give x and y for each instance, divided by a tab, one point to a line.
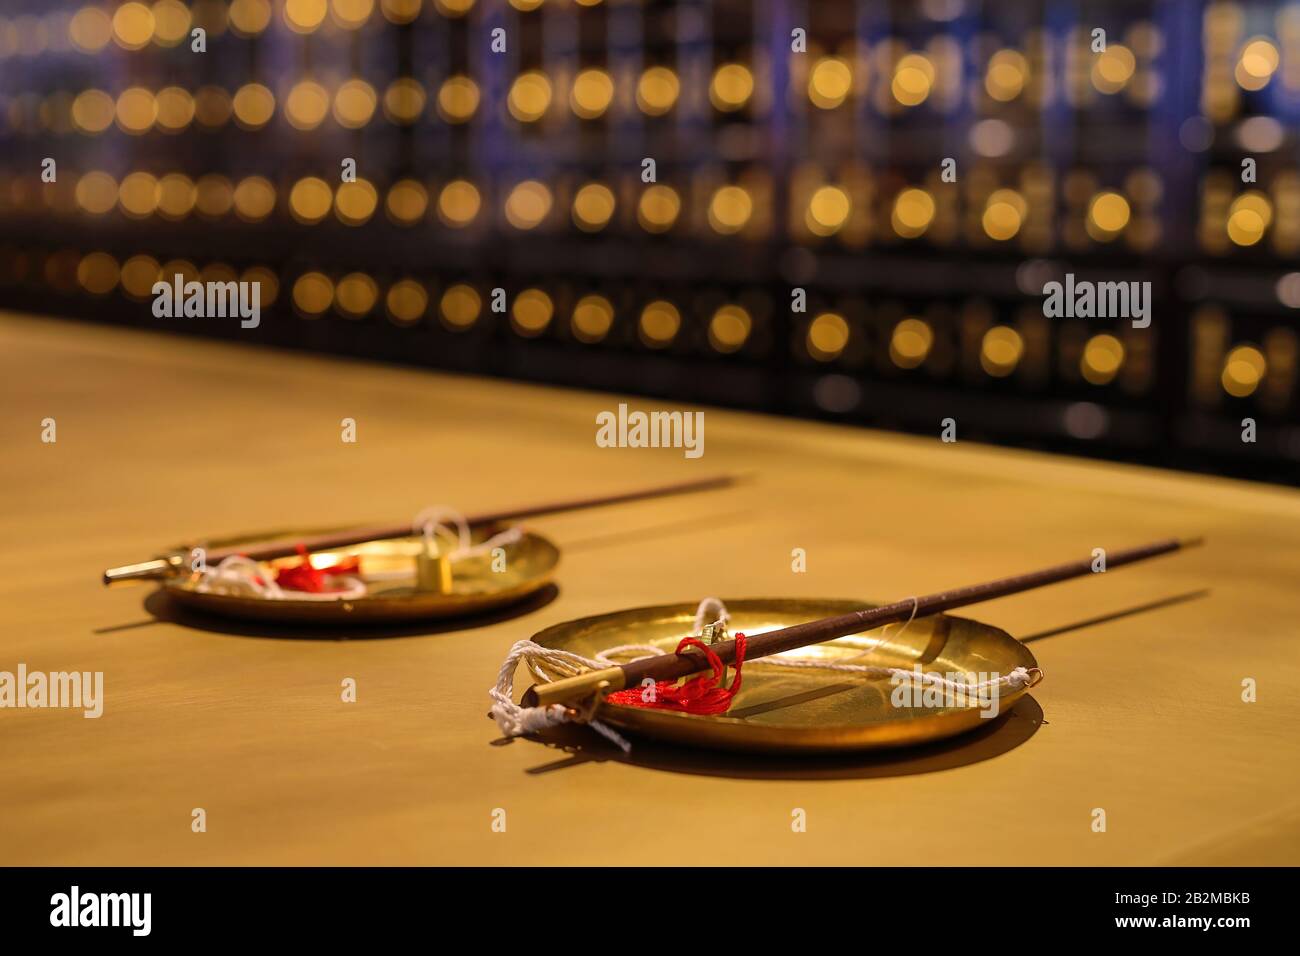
1001	351
133	25
658	208
454	8
214	196
175	109
910	343
529	96
829	82
96	193
1249	217
307	105
460	306
531	313
731	87
592	318
404	101
213	106
137	195
828	210
171	22
657	91
356	295
93	111
528	204
90	29
400	11
304	16
407	202
137	110
828	334
730	209
912	213
355	103
1257	63
356	202
253	106
351	14
659	324
592	92
310	200
248	18
593	205
729	329
177	196
139	275
313	293
1108	215
458	99
458	203
913	79
1101	360
1004	213
1243	370
254	198
98	273
1113	68
406	302
1006	75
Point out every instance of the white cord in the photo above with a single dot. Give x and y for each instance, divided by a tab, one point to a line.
450	523
515	720
710	611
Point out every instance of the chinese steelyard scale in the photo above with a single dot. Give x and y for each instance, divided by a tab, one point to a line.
440	564
805	675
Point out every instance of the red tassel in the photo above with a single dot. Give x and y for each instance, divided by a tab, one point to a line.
699	695
305	577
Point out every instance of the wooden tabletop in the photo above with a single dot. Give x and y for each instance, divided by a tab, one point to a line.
164	439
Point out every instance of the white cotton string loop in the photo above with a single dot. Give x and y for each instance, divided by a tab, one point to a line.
515	720
441	519
710	611
237	575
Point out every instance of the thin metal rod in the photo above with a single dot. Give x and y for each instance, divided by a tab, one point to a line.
266	551
669	666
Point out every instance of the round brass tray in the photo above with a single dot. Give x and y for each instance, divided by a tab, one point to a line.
387	568
798	709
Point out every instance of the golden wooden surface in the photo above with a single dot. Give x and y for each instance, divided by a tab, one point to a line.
162	439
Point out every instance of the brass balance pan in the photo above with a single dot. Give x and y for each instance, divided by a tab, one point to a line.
800	709
478	583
